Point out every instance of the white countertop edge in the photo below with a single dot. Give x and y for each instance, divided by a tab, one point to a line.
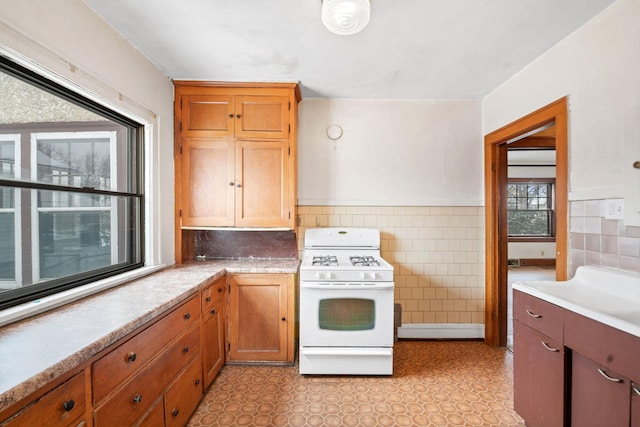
584	282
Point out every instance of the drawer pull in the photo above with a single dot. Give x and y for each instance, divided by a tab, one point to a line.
68	405
197	382
137	398
532	314
175	412
213	311
635	389
604	374
131	357
548	347
186	349
187	316
208	299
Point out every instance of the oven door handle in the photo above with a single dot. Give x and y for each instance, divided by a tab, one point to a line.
336	351
344	286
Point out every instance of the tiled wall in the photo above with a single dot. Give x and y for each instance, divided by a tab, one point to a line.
596	240
437	253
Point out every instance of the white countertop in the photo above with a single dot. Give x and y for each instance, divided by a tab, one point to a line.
607	295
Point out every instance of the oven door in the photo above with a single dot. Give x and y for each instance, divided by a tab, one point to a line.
346	314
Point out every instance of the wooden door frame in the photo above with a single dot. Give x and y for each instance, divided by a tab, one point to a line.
496	239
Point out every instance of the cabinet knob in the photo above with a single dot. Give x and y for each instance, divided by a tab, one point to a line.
231	116
208	299
137	398
187	316
213	311
238	185
186	349
68	405
231	184
238	116
197	382
219	290
131	357
175	412
636	164
284	319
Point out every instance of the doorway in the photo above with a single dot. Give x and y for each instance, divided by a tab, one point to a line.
496	235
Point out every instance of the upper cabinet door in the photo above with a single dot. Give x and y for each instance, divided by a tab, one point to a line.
208	116
262	117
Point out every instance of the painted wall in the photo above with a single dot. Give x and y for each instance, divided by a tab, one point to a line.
81	51
391	152
598	68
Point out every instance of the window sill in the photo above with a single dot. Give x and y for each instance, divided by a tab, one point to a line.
50	302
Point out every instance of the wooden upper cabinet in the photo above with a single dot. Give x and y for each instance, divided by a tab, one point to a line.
262	117
206	116
208	182
240	117
262	173
235	157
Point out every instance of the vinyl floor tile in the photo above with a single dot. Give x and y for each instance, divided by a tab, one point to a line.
435	383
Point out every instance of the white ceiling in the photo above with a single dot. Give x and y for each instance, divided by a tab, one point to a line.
410	49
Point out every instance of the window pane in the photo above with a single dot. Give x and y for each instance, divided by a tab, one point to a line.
7	248
76	239
529	223
82	162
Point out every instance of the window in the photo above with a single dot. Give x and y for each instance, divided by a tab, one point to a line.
71	202
530	208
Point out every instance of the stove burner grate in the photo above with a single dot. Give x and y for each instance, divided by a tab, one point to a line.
364	261
325	261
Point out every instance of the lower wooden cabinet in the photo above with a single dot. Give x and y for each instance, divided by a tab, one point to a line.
64	406
635	405
261	318
184	394
539	377
135	398
599	397
213	329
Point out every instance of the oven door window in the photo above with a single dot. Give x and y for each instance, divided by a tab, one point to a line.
347	314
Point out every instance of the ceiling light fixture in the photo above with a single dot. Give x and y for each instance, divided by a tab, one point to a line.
345	17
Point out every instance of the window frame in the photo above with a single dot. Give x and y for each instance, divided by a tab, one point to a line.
552	212
135	131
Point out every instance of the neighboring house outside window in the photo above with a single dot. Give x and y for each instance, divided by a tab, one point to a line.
530	209
71	202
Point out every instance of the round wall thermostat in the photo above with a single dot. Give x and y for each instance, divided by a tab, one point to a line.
334	132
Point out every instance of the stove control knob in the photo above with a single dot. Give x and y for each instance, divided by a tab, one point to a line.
324	275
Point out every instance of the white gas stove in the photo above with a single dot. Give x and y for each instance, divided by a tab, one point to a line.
346	303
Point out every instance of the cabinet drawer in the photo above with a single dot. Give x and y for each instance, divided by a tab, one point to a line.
610	347
129	357
65	405
213	294
542	316
183	396
133	400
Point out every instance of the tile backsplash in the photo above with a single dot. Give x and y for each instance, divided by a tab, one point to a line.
595	240
437	254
